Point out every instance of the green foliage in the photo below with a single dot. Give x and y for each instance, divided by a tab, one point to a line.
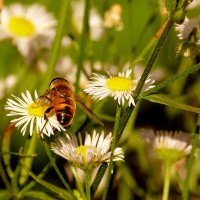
145	39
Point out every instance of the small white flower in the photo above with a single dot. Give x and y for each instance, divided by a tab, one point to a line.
95	21
187	27
29	27
172	145
7	84
96	25
90	153
113	18
119	87
30	113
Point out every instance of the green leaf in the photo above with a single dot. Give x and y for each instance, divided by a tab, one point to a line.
5	194
38	195
165	100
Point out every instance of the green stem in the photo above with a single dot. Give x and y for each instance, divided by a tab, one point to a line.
79	185
52	160
98	178
167	180
144	51
128	110
171	80
57	42
87	184
27	162
153	57
82	44
113	143
185	191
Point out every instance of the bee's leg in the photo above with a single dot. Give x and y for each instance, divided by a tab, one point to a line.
48	110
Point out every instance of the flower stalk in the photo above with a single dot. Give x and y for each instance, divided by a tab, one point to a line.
78	182
185	189
127	112
82	44
153	57
87	184
52	161
166	186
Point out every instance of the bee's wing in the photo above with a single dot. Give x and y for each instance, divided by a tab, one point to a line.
88	112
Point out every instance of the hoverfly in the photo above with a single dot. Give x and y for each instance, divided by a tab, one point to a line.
60	98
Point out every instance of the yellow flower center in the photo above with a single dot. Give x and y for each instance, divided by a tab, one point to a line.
82	150
119	83
21	27
37	110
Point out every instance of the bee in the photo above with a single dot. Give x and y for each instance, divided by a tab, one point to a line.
61	99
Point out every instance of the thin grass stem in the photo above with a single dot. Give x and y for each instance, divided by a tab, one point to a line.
83	43
167	180
185	189
52	160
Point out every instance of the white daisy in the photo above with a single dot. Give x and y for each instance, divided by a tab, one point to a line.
29	27
119	87
172	145
187	28
88	154
30	113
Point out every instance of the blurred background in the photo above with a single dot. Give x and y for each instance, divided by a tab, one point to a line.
122	35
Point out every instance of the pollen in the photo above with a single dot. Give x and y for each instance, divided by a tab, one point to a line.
37	110
119	84
21	27
82	151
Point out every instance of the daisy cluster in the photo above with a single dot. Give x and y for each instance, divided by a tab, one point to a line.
29	114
